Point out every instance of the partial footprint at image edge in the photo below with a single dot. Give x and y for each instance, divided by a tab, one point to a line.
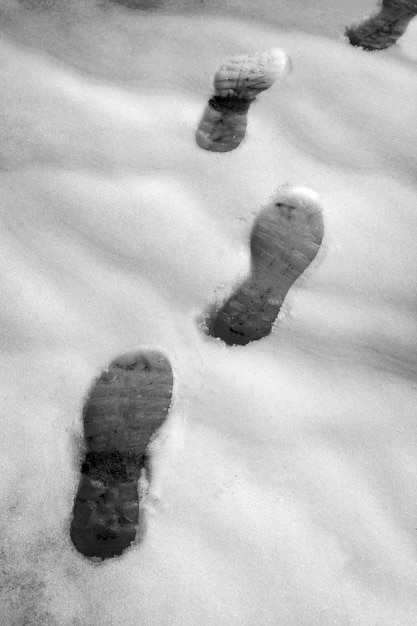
125	408
284	241
383	29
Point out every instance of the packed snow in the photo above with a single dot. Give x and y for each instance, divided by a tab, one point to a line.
284	484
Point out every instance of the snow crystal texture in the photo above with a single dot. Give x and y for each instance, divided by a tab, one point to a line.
284	485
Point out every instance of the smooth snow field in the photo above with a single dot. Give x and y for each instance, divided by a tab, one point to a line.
284	483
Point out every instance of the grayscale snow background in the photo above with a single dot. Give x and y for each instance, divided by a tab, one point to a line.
285	480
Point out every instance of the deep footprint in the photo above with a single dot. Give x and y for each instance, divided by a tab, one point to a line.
236	85
384	28
285	239
126	406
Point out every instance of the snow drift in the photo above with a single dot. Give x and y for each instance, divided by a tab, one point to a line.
284	485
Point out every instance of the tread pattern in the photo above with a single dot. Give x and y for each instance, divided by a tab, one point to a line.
126	406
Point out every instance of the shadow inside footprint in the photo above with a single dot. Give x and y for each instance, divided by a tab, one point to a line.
126	405
143	5
285	239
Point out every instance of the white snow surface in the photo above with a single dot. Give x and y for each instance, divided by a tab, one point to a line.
285	479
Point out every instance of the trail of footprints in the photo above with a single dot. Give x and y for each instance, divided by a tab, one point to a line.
129	402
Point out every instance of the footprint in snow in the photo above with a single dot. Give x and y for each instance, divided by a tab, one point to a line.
284	241
236	85
382	30
125	408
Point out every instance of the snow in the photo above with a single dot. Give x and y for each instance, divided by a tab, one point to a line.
284	489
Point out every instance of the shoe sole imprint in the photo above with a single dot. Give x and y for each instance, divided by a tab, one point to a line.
285	239
125	407
382	30
236	85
